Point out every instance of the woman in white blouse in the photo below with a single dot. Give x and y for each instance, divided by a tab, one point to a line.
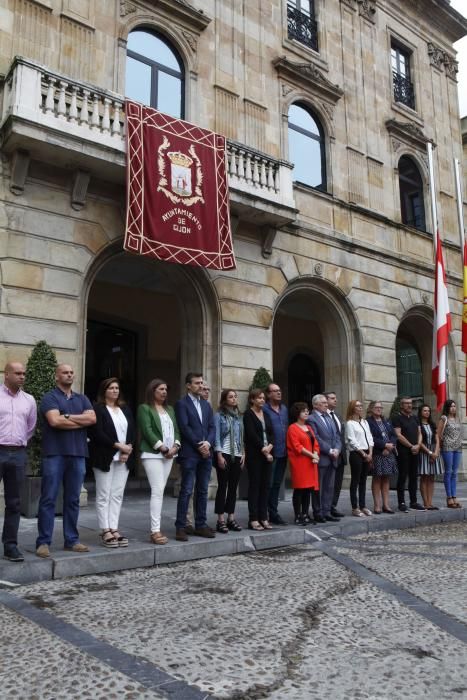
359	441
160	442
110	448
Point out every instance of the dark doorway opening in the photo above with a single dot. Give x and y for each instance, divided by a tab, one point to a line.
304	379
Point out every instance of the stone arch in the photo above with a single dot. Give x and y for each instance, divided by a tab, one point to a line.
191	294
328	322
416	326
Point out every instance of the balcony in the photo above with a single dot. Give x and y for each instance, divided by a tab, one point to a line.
77	126
302	27
403	90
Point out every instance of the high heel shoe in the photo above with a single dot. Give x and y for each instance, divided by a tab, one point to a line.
255	525
266	524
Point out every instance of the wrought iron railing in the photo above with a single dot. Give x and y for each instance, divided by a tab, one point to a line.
302	27
403	90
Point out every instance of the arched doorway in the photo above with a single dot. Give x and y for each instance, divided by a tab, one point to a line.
413	356
315	343
146	318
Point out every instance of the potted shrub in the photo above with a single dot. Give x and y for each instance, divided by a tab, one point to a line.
40	378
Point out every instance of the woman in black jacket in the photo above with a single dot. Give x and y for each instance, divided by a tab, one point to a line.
258	437
111	444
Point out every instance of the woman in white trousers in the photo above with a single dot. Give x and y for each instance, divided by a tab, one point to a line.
160	442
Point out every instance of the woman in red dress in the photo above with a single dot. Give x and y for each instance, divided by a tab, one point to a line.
303	453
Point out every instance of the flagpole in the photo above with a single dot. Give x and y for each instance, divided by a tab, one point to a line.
460	205
434	214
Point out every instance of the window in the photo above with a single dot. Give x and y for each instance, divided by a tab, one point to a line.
154	73
301	23
402	85
306	147
411	192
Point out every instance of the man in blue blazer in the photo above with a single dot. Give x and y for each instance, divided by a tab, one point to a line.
196	424
330	447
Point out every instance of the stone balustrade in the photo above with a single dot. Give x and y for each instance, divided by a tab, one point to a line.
45	107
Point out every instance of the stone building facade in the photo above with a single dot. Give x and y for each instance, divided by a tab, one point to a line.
327	107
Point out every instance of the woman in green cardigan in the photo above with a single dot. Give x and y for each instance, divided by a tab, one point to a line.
160	442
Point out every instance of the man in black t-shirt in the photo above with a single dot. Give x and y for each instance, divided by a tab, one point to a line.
409	438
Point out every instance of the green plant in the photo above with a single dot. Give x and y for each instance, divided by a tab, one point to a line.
261	379
40	378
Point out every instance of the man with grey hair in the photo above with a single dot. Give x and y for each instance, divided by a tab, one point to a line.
330	447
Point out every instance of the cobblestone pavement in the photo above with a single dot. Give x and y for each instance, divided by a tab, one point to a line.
375	616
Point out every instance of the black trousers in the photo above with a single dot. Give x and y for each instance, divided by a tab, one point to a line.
227	480
259	478
338	478
12	470
408	467
358	476
301	501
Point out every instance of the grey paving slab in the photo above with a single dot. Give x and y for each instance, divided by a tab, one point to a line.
278	538
32	569
195	549
69	564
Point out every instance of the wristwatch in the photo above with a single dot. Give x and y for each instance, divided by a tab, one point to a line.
66	415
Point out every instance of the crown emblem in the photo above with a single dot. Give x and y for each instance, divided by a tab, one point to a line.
179	158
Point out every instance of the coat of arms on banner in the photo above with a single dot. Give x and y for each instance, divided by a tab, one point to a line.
184	168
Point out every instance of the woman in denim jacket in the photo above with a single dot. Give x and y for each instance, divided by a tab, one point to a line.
229	461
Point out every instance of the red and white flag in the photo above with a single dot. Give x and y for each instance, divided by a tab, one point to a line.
441	329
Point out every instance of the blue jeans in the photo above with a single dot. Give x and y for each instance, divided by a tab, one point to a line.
278	470
12	468
71	471
451	461
196	472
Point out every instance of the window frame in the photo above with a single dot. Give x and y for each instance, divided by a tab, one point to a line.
321	139
402	51
409	196
294	7
157	67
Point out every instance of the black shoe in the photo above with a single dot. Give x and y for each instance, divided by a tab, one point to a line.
205	531
403	508
319	519
301	520
332	519
233	525
337	513
417	506
12	553
190	530
277	520
221	527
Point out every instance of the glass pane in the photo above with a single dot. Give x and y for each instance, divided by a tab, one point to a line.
300	117
304	6
305	154
138	81
169	94
152	47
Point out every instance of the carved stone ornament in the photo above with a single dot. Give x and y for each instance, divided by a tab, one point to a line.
451	66
329	109
436	55
408	133
425	298
367	9
286	89
319	269
191	40
126	8
396	144
306	75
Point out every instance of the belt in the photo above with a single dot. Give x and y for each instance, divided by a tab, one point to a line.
12	447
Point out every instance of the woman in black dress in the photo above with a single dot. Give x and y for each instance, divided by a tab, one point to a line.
258	436
429	461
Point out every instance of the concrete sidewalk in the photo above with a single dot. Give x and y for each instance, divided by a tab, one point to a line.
134	523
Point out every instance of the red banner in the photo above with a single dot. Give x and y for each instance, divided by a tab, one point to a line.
177	194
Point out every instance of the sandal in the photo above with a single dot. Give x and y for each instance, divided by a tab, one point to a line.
221	527
366	511
266	525
357	512
233	525
255	525
121	541
108	540
158	538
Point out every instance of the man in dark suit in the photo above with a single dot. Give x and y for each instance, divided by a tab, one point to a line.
330	446
340	426
196	424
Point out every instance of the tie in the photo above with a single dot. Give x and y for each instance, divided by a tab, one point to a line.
334	420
